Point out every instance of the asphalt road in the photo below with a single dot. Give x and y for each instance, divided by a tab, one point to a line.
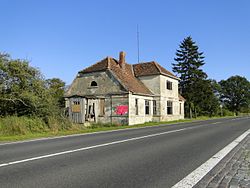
147	157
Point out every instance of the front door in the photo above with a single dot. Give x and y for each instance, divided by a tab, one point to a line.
77	110
91	110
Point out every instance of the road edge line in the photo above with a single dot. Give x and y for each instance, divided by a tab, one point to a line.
195	176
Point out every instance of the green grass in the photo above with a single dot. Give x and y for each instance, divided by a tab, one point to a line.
80	129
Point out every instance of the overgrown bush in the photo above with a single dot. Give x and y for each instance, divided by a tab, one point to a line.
59	123
13	125
226	112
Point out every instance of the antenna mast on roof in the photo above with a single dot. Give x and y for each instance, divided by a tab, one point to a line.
138	45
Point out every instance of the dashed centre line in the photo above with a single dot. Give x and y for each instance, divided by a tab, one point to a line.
92	147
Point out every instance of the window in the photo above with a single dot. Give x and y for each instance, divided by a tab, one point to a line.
136	106
93	83
76	108
180	108
76	102
147	107
154	107
169	107
169	85
102	107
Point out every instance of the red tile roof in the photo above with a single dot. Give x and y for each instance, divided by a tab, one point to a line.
99	66
151	68
125	76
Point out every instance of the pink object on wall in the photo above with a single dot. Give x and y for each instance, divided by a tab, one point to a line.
121	110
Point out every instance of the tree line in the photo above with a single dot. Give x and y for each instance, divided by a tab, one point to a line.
206	96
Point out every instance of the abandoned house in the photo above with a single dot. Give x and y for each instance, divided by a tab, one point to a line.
113	91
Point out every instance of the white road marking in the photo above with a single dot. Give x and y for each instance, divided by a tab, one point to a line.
95	146
194	177
216	123
100	132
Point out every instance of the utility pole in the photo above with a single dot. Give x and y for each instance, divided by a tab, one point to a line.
138	45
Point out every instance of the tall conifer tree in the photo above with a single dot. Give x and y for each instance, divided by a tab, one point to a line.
194	85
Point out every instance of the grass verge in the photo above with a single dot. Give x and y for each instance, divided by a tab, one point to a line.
80	129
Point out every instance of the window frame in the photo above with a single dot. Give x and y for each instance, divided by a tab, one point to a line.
147	107
169	85
169	107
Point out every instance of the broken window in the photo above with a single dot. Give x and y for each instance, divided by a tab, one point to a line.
147	107
93	83
169	107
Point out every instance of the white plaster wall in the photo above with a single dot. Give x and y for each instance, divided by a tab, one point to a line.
152	82
169	93
176	109
157	84
141	117
182	110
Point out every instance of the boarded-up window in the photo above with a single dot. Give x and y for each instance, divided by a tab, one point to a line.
154	107
136	106
102	107
169	107
76	108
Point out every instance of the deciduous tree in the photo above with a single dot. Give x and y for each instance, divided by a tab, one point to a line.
24	91
235	93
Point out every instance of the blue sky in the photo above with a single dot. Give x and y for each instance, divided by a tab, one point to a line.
61	37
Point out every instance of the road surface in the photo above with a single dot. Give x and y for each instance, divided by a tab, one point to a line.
158	156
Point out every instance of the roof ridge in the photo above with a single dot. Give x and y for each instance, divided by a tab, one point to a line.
100	60
132	69
108	67
95	64
156	64
142	63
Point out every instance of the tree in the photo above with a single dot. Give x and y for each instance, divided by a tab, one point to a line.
194	85
56	88
235	93
24	90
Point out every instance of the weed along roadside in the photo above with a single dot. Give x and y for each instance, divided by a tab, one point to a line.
14	128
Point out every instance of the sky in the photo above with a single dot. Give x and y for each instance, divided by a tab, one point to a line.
62	37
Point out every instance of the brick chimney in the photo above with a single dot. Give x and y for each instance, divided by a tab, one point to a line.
122	59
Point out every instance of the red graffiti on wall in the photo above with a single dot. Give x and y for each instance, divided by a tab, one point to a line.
121	110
